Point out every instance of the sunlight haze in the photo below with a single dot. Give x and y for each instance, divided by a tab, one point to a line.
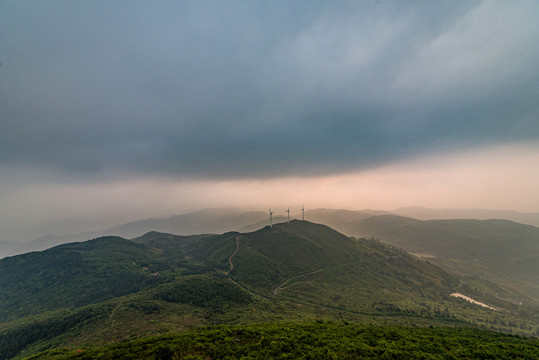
128	110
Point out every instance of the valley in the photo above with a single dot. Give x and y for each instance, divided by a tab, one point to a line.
106	290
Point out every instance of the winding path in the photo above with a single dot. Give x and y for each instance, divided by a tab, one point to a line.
234	253
278	287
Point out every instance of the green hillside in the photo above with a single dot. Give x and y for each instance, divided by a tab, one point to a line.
487	240
74	275
111	290
499	250
313	264
270	255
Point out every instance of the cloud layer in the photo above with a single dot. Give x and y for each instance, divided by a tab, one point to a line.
234	90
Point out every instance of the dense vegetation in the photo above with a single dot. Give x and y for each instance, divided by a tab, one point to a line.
315	341
499	250
16	338
74	275
202	291
271	255
110	290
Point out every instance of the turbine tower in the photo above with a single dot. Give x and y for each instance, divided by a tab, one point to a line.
288	211
271	219
302	213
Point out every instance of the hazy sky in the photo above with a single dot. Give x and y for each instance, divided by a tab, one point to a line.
130	109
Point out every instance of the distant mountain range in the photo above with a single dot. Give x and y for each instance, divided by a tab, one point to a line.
217	221
53	228
208	221
423	213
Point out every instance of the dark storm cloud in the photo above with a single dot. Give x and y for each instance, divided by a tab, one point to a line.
244	89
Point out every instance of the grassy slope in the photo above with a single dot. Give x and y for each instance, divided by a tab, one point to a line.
74	275
358	281
271	255
186	302
494	249
362	277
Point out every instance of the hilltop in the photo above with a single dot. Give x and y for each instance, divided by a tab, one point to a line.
111	289
207	221
221	220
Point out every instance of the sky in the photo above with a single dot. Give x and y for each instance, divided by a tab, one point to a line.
131	109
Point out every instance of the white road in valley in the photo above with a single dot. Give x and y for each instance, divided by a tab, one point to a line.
469	299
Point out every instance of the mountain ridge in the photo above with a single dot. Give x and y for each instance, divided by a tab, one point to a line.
424	213
217	220
174	283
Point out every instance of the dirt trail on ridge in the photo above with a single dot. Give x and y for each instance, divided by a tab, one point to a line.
234	253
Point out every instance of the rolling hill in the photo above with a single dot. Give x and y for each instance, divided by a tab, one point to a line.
220	220
207	221
499	250
74	275
111	289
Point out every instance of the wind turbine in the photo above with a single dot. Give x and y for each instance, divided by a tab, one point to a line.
302	213
288	211
271	218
